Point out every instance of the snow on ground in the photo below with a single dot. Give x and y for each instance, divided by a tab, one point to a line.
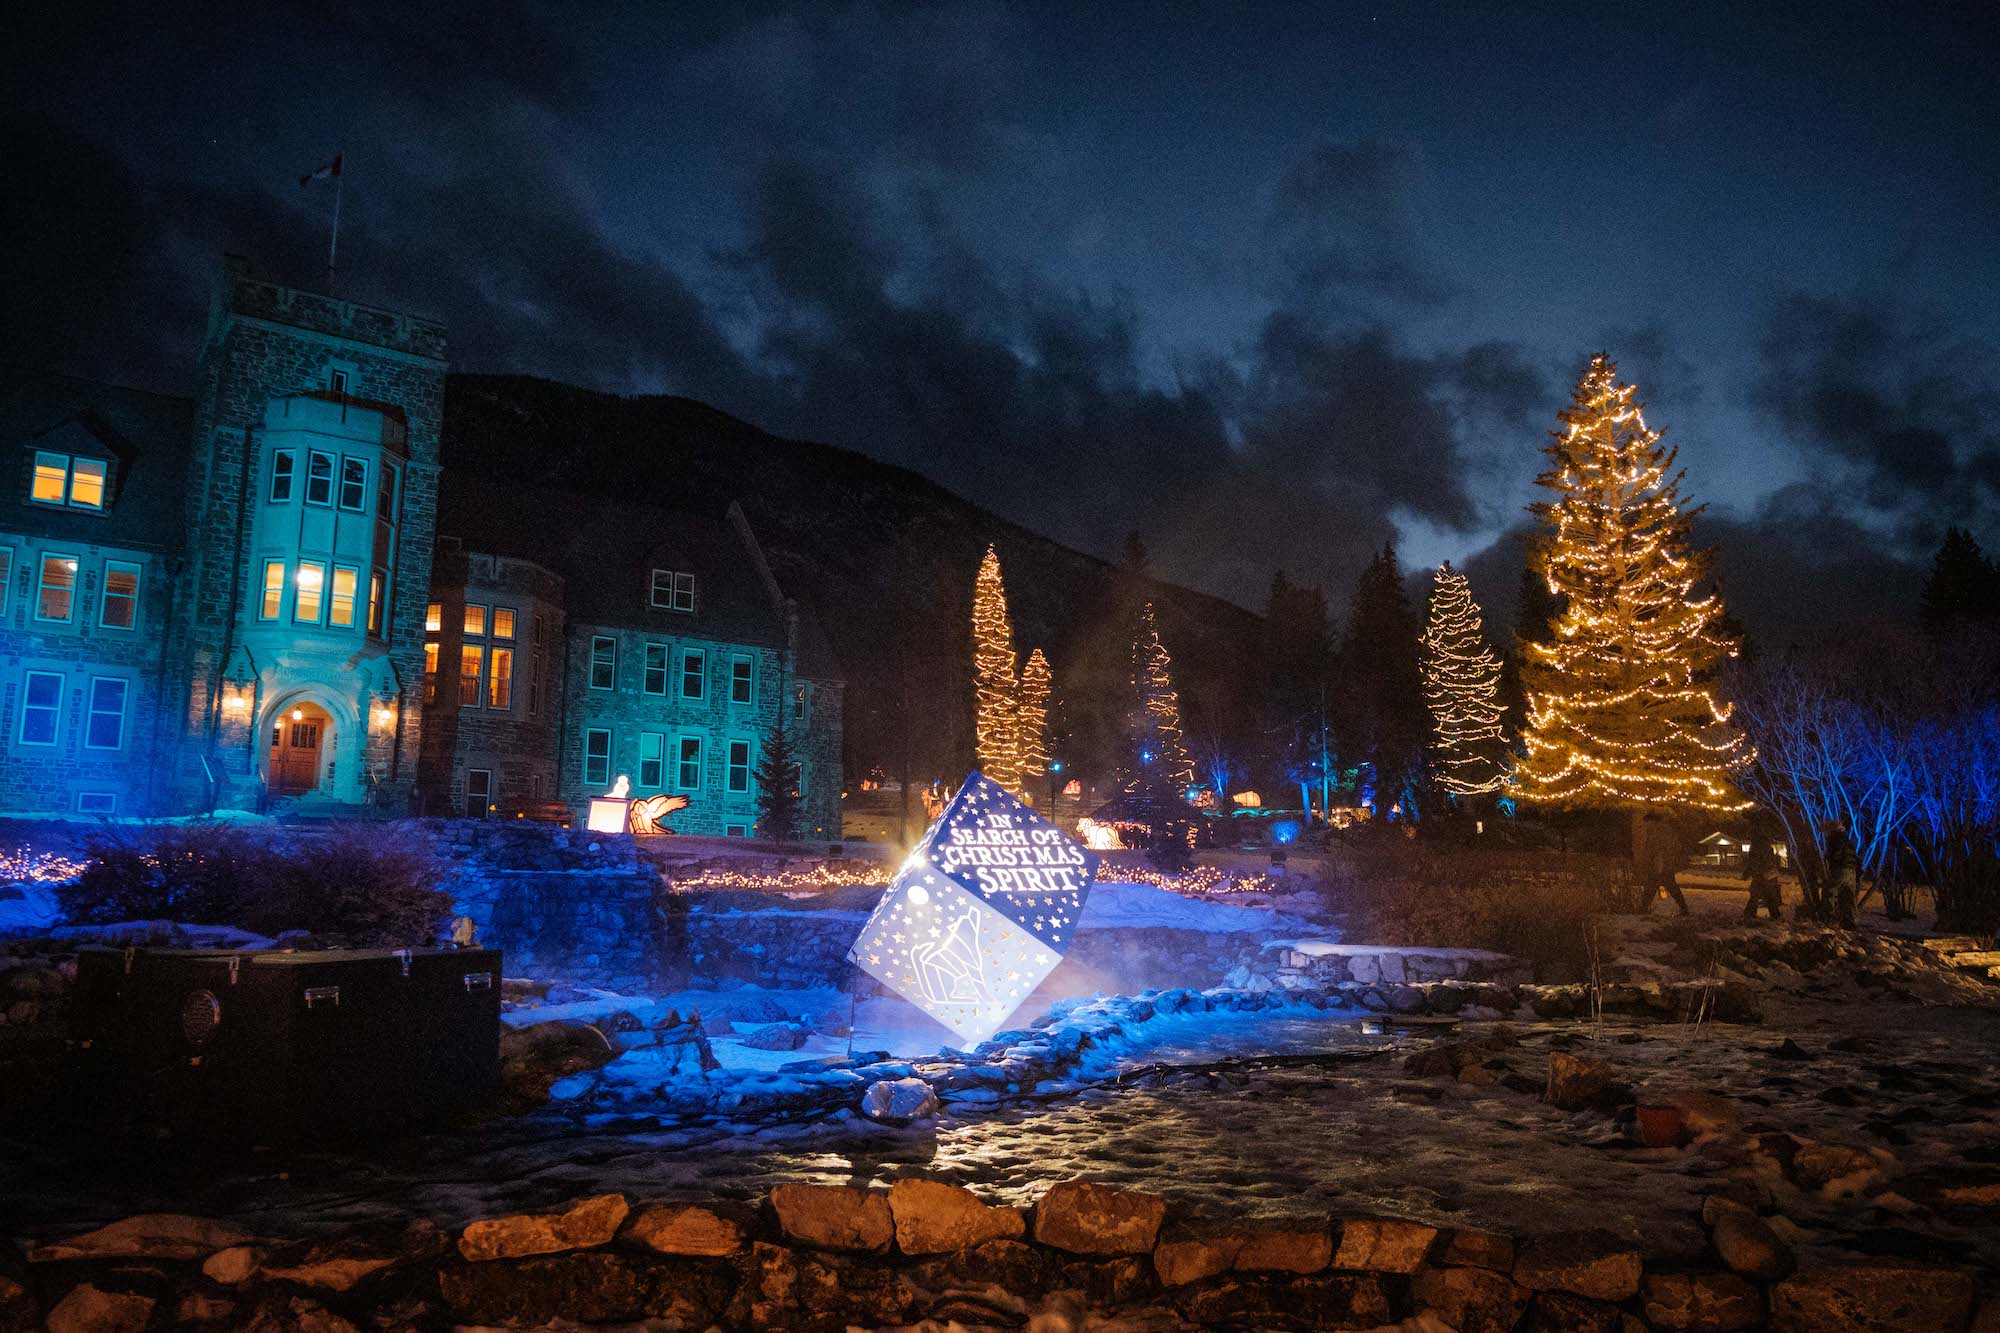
1118	905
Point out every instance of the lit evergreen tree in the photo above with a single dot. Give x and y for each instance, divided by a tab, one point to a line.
1462	690
1156	724
1031	717
1620	710
995	693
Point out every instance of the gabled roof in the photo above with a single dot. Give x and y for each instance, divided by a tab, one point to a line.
605	550
147	435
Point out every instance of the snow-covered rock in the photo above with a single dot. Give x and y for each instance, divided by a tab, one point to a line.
899	1100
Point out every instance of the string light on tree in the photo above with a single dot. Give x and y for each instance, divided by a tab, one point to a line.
1462	690
1620	710
1032	717
995	694
1159	741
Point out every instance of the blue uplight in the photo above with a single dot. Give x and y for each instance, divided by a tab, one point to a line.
1284	831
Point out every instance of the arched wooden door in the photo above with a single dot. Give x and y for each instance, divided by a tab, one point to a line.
301	738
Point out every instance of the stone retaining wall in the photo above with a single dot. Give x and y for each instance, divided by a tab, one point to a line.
816	1259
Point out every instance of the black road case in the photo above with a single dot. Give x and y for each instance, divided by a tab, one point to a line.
279	1047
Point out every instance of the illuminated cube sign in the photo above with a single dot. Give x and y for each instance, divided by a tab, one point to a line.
980	913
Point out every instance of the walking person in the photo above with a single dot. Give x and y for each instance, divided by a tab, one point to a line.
1843	874
1761	864
1663	854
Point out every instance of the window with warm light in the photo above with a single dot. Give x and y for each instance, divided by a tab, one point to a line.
672	591
311	594
61	479
652	760
503	622
57	595
500	679
120	607
346	583
274	590
431	672
377	584
475	620
471	661
433	618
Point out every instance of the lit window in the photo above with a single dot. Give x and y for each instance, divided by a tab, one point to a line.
312	590
475	620
274	590
346	583
431	672
86	483
500	680
6	576
603	662
503	622
354	484
739	767
673	591
51	479
742	680
694	666
433	618
596	757
375	607
281	476
478	793
799	703
656	668
319	479
471	658
385	495
104	728
41	704
121	595
652	759
689	776
58	590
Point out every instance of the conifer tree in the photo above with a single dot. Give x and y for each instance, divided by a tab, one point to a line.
1462	690
1962	585
778	783
995	693
1383	722
1620	710
1156	729
1031	717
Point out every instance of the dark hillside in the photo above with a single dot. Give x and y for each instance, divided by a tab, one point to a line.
882	556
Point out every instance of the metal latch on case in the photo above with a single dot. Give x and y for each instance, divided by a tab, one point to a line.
317	995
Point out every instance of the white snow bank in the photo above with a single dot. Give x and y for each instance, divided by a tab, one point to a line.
1320	948
28	906
1125	906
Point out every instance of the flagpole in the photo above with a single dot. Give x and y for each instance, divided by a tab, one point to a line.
333	241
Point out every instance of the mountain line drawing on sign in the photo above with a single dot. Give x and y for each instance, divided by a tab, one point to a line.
950	970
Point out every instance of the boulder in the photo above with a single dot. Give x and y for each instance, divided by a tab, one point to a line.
171	1236
1318	1300
834	1217
1473	1248
1471	1300
89	1309
200	1310
1304	1248
1092	1219
805	1293
1838	1171
935	1218
588	1286
1872	1295
584	1224
1109	1283
534	1056
685	1230
1018	1270
777	1037
1193	1258
899	1101
1563	1312
1749	1246
1383	1245
232	1266
1701	1302
1593	1264
278	1311
1580	1084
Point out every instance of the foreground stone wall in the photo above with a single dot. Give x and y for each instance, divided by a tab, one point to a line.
815	1259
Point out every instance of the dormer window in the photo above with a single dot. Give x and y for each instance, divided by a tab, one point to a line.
673	591
62	479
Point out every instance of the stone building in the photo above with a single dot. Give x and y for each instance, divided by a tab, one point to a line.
227	601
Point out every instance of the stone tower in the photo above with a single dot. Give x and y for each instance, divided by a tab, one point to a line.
311	507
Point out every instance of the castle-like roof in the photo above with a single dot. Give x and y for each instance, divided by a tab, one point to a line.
146	435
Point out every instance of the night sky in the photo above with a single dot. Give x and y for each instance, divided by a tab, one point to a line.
1268	290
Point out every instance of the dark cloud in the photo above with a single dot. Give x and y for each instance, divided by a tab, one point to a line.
1344	229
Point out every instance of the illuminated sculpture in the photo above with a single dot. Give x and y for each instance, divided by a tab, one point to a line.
648	811
1462	689
994	690
980	913
1619	709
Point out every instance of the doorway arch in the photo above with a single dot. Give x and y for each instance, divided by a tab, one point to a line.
299	748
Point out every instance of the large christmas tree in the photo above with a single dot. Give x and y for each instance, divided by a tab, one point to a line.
1462	690
995	695
1156	728
1621	712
